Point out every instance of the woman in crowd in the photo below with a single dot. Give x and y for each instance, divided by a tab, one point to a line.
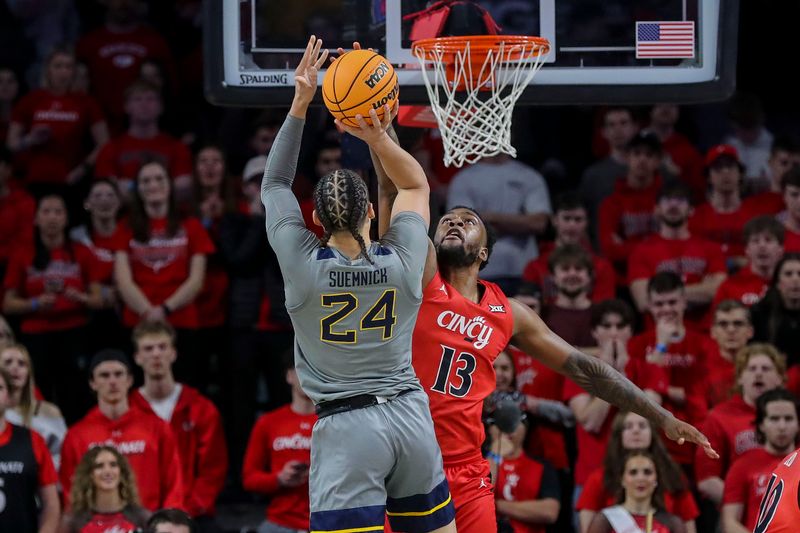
24	408
52	288
96	239
630	432
103	495
160	263
776	318
640	501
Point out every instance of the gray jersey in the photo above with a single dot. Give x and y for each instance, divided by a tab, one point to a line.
352	320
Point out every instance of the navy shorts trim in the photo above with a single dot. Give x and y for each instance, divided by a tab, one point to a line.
355	520
422	512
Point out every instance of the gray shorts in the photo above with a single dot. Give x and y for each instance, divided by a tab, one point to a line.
377	461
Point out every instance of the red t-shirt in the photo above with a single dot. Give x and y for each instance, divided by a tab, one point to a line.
17	209
765	203
594	497
161	265
523	479
46	472
70	118
746	482
101	249
791	241
724	229
685	366
109	523
144	439
731	430
691	259
454	346
745	286
122	157
537	271
64	270
534	378
114	58
721	377
627	214
278	437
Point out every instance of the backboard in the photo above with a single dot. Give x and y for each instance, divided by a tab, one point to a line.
609	52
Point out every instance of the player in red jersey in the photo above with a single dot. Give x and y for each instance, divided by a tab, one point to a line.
779	511
463	324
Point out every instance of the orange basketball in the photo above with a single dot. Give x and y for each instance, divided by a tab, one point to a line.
356	82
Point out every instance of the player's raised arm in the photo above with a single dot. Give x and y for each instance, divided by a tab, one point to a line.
596	377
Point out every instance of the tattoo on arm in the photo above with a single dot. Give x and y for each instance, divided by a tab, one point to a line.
602	381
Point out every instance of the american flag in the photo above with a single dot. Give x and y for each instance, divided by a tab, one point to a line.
665	39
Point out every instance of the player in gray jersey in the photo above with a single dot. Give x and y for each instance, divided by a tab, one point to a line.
353	305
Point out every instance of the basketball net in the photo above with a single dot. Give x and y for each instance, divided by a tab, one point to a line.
473	84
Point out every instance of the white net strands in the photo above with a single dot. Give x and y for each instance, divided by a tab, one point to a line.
473	109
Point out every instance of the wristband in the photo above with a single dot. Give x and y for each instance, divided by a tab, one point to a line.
661	347
495	457
34	304
166	309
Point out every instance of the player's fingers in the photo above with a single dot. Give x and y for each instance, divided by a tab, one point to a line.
361	122
309	47
321	59
387	116
356	45
375	121
315	50
339	126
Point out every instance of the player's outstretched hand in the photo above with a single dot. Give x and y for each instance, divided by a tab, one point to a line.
681	432
372	128
305	75
341	51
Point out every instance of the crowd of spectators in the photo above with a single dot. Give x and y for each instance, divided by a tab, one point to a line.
145	350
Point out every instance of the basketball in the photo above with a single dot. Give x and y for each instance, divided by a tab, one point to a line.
356	82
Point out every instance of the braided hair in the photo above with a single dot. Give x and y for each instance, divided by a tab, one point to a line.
341	200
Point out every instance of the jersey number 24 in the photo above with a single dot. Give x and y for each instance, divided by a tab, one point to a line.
380	316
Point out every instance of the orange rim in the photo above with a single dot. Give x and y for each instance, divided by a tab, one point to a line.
480	46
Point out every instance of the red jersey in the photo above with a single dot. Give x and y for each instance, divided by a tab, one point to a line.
114	58
46	472
161	265
691	259
626	214
746	482
594	497
144	439
197	430
721	377
17	209
524	479
603	286
745	286
278	437
730	428
685	366
779	511
455	343
64	271
724	229
534	378
765	203
121	157
70	118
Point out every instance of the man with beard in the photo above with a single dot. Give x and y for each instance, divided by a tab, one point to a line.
698	262
570	315
463	324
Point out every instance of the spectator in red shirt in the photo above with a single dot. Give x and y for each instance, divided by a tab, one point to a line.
160	263
784	155
731	329
114	53
277	459
640	501
730	425
52	286
49	127
527	494
791	215
679	351
698	262
195	422
569	221
16	213
626	216
776	317
104	496
96	239
629	432
746	483
599	179
29	473
681	158
122	157
763	237
144	439
722	218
